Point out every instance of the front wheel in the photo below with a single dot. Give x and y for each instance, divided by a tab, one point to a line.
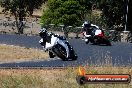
60	51
51	55
86	40
95	41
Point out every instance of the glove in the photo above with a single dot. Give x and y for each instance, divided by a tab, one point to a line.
45	50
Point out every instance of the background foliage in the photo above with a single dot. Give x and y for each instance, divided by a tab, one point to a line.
20	9
110	14
67	12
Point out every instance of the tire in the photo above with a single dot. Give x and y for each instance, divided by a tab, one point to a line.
81	80
107	42
51	55
87	41
95	41
60	52
73	55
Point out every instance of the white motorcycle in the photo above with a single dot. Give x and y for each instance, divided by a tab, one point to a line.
57	46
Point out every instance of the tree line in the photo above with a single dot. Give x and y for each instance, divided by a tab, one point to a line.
73	12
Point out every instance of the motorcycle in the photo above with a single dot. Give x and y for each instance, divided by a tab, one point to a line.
96	37
57	46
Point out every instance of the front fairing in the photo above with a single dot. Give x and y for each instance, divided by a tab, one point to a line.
61	37
64	44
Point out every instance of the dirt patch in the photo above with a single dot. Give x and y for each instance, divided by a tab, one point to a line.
10	53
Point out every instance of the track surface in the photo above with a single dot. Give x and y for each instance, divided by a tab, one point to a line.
119	54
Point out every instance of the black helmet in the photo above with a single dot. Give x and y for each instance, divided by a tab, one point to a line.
43	32
86	24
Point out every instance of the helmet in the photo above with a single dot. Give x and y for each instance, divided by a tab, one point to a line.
43	32
85	23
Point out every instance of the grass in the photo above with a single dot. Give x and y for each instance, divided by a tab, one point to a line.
56	78
10	53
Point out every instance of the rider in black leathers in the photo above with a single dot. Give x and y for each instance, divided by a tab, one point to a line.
46	36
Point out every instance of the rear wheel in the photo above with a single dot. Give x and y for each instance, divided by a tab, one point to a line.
108	43
72	53
73	56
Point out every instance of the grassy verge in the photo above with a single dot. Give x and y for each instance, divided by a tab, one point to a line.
9	53
56	78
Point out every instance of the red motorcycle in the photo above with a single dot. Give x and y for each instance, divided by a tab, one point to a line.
97	36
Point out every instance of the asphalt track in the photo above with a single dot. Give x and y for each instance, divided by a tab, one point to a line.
119	54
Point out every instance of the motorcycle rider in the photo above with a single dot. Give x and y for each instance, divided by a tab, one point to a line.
43	35
89	29
46	39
